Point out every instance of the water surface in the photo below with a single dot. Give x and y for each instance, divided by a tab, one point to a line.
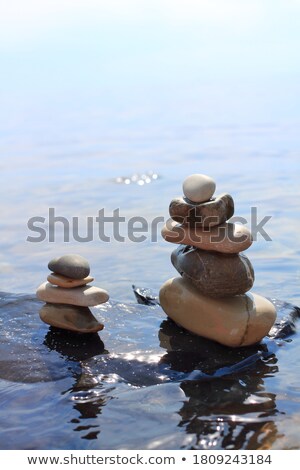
144	383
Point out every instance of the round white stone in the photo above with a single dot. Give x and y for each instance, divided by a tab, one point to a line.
198	188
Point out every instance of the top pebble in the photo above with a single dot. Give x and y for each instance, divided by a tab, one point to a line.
198	188
73	266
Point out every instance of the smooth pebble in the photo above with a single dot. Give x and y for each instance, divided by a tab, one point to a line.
214	274
198	188
70	317
224	238
73	266
68	282
84	296
235	321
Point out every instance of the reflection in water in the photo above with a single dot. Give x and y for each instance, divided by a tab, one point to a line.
187	352
81	347
76	347
88	411
146	383
232	412
227	414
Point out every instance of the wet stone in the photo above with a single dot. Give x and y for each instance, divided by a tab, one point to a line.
240	320
214	274
207	214
70	317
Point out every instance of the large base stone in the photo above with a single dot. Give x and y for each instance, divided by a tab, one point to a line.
235	321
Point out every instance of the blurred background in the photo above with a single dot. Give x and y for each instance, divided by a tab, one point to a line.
96	92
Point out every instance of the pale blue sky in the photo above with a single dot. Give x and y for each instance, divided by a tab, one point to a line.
228	60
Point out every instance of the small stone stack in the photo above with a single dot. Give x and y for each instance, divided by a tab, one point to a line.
209	299
68	295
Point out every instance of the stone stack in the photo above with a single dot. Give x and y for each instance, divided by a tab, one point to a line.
69	295
210	299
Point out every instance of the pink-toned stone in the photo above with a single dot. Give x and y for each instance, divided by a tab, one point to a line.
224	238
67	282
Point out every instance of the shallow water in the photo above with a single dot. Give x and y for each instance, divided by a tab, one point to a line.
269	183
195	93
143	383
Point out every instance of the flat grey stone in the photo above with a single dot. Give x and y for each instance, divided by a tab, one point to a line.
73	266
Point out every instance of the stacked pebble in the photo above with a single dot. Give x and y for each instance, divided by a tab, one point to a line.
209	299
68	295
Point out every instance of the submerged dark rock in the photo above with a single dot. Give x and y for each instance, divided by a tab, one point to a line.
145	296
287	316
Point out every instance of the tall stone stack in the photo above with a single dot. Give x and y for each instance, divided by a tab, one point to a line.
68	295
210	298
